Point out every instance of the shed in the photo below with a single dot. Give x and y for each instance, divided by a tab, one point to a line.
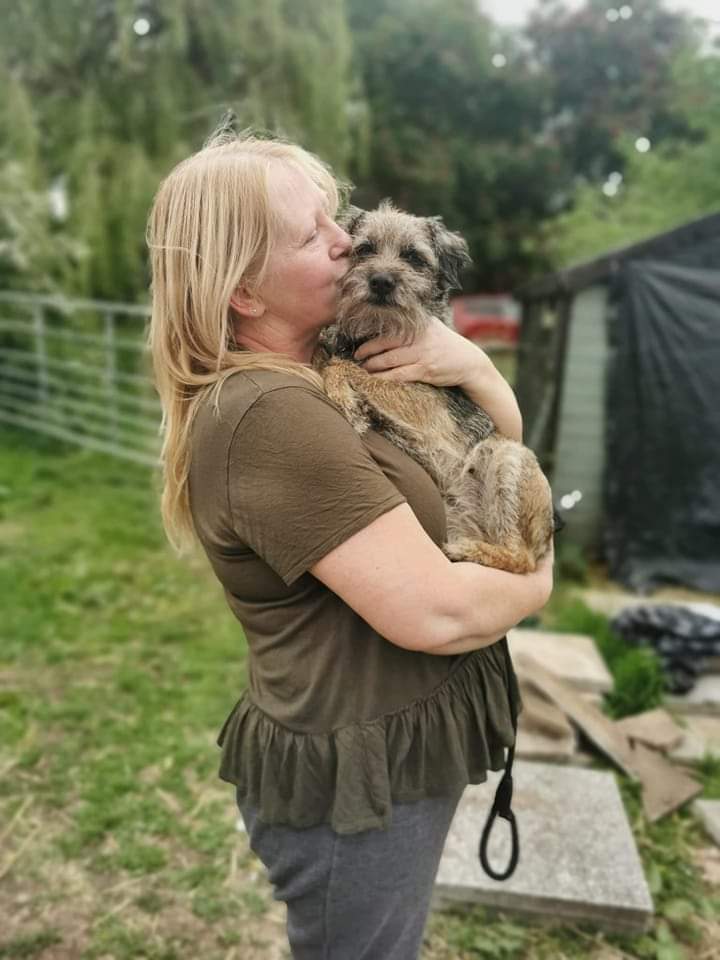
618	380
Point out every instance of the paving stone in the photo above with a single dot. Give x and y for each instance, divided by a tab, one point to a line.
703	698
544	732
664	786
656	728
572	656
700	736
578	859
539	714
708	811
532	745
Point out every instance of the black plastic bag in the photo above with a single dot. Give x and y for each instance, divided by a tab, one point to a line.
682	639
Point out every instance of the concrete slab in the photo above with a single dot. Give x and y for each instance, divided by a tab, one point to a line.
656	728
578	859
540	714
708	812
700	736
532	745
703	698
544	732
571	656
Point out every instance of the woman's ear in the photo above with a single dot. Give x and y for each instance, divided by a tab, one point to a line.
245	304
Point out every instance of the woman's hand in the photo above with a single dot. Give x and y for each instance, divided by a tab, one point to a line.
438	356
443	358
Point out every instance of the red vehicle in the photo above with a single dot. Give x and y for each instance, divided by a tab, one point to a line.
488	318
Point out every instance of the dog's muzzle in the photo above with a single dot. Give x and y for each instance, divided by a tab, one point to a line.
381	286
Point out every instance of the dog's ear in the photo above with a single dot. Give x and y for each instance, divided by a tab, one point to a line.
451	250
351	218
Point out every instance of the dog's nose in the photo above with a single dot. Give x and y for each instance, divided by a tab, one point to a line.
381	283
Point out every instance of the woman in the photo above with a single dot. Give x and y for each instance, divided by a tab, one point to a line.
377	688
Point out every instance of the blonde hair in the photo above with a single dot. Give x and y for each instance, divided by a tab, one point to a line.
212	227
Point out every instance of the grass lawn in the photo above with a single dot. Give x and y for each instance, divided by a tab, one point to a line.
118	664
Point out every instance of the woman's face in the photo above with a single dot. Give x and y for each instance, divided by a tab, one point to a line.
302	283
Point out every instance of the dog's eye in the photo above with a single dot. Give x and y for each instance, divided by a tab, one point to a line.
413	258
364	250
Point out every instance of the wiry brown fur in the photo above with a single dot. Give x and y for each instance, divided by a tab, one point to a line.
498	502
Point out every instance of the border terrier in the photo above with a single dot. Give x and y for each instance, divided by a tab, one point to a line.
497	500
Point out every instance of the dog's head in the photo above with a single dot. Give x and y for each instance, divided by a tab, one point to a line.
402	270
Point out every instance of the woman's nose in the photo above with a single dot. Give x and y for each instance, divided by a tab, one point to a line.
343	244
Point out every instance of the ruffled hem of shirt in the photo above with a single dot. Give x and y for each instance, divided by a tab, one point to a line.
349	778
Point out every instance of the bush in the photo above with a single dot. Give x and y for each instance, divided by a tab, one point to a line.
637	673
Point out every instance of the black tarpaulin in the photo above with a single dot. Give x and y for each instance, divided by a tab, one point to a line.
662	480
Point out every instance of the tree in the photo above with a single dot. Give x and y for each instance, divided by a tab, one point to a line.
609	79
117	91
661	189
452	134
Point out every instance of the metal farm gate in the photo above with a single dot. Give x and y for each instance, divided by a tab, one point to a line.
79	370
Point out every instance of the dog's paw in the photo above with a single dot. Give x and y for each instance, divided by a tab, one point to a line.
457	551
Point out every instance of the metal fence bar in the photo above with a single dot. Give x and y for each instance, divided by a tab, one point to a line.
92	443
41	360
71	366
24	376
73	305
113	419
15	326
54	416
110	373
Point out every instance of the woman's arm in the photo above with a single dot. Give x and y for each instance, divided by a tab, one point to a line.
394	576
443	358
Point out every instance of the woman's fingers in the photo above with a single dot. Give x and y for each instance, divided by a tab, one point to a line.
398	357
412	372
379	345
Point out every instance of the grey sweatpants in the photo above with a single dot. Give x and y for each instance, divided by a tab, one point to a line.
365	896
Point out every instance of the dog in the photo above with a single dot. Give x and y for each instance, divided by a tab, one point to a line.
497	500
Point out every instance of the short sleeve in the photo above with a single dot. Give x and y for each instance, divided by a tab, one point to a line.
300	480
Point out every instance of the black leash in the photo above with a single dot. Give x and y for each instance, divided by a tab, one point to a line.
503	800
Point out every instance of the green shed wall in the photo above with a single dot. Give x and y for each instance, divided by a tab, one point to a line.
580	443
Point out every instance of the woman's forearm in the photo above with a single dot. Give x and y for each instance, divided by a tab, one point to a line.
487	387
484	603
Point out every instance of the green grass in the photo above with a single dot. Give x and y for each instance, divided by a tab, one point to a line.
118	665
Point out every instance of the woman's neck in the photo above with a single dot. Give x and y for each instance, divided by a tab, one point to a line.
271	336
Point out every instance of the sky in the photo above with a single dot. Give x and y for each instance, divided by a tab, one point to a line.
514	12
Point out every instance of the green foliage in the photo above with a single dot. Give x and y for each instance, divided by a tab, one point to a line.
608	77
30	945
451	134
570	562
400	95
661	189
86	97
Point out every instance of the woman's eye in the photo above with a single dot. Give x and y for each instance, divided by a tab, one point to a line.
312	237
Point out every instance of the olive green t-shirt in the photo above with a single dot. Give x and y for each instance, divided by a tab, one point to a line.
337	722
